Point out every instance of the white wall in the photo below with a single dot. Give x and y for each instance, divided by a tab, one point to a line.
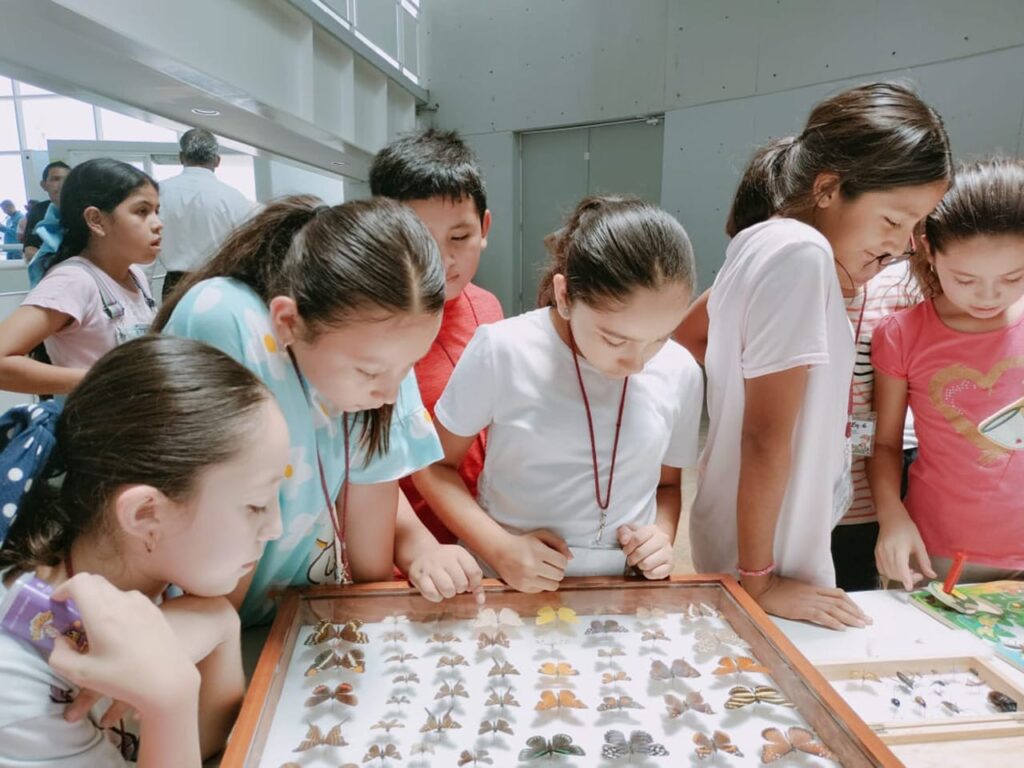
726	73
275	178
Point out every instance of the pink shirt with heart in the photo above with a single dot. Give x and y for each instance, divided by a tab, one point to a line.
966	390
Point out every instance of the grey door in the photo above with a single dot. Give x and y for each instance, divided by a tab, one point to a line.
559	168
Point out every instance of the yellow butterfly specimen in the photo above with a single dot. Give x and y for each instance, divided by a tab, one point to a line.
452	661
614	677
613	703
549	614
735	665
719	742
650	635
476	758
490	618
436	724
487	640
387	725
502	669
315	738
501	700
741	696
561	699
382	753
800	739
680	668
450	692
557	669
694	702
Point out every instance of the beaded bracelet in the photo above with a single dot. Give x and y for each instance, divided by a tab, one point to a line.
761	572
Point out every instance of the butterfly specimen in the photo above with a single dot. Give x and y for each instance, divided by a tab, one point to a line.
561	699
397	619
486	640
399	700
1001	701
387	725
480	756
502	700
379	752
342	694
719	742
406	677
613	703
557	669
502	669
697	611
394	636
549	614
330	659
650	635
710	640
400	658
680	668
326	630
488	617
640	743
421	748
437	724
694	702
314	738
450	692
608	626
796	739
741	696
495	726
865	677
650	613
559	745
452	661
614	677
610	653
734	665
443	637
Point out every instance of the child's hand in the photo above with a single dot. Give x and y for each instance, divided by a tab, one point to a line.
445	571
533	561
648	548
791	599
898	539
133	655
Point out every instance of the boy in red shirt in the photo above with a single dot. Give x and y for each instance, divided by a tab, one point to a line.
435	174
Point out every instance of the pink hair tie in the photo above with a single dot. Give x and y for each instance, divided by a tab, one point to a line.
762	572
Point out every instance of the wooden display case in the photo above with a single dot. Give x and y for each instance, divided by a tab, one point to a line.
636	647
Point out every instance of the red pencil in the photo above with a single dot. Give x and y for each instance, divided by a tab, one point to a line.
954	572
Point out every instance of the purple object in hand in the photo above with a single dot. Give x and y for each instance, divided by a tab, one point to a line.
28	612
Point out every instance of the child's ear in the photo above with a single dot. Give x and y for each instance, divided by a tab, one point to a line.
285	319
560	289
485	227
825	189
141	513
94	220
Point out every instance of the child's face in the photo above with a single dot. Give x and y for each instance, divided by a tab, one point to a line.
217	537
133	229
460	234
982	276
360	365
873	224
619	340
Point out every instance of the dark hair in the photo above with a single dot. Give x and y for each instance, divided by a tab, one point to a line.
157	411
611	246
335	262
102	183
54	164
199	147
874	137
986	199
428	164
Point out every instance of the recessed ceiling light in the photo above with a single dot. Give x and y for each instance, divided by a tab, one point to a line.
205	112
338	162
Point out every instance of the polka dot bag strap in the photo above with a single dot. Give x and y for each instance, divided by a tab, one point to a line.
28	434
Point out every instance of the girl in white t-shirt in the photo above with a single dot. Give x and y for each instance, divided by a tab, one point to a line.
96	295
812	214
591	411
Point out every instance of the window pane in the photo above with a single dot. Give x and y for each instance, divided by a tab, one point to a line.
8	127
237	171
5	86
30	90
118	127
12	181
56	118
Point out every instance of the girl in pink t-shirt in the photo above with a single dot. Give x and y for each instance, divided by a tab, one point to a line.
958	361
95	296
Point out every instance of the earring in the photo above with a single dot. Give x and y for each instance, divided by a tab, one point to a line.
564	312
149	547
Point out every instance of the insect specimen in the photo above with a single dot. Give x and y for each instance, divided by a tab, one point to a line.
561	699
342	694
614	677
437	724
497	726
720	741
315	738
326	630
549	614
735	665
502	700
557	669
502	669
795	739
406	677
710	640
640	743
382	752
1001	701
559	745
608	626
650	635
452	661
694	702
617	703
476	758
399	700
742	696
680	668
450	692
400	658
610	653
486	640
387	725
352	660
444	638
488	617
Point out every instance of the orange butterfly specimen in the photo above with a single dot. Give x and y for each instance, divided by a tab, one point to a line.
735	665
486	640
495	726
502	669
720	742
450	692
694	702
680	668
315	738
342	694
613	703
557	669
406	677
614	677
436	724
801	739
452	661
650	635
387	725
382	753
561	699
444	638
476	758
502	700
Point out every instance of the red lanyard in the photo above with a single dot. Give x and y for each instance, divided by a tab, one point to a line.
337	520
476	324
856	347
602	505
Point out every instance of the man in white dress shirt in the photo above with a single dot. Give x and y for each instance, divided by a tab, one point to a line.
198	210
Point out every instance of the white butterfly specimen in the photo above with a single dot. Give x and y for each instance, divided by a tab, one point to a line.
488	618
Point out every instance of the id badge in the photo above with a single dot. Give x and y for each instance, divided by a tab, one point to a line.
862	434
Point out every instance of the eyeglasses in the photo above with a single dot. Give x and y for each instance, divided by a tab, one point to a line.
888	259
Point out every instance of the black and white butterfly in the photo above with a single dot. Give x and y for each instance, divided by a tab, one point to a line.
640	743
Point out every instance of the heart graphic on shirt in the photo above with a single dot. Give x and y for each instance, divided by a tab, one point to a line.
969	399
